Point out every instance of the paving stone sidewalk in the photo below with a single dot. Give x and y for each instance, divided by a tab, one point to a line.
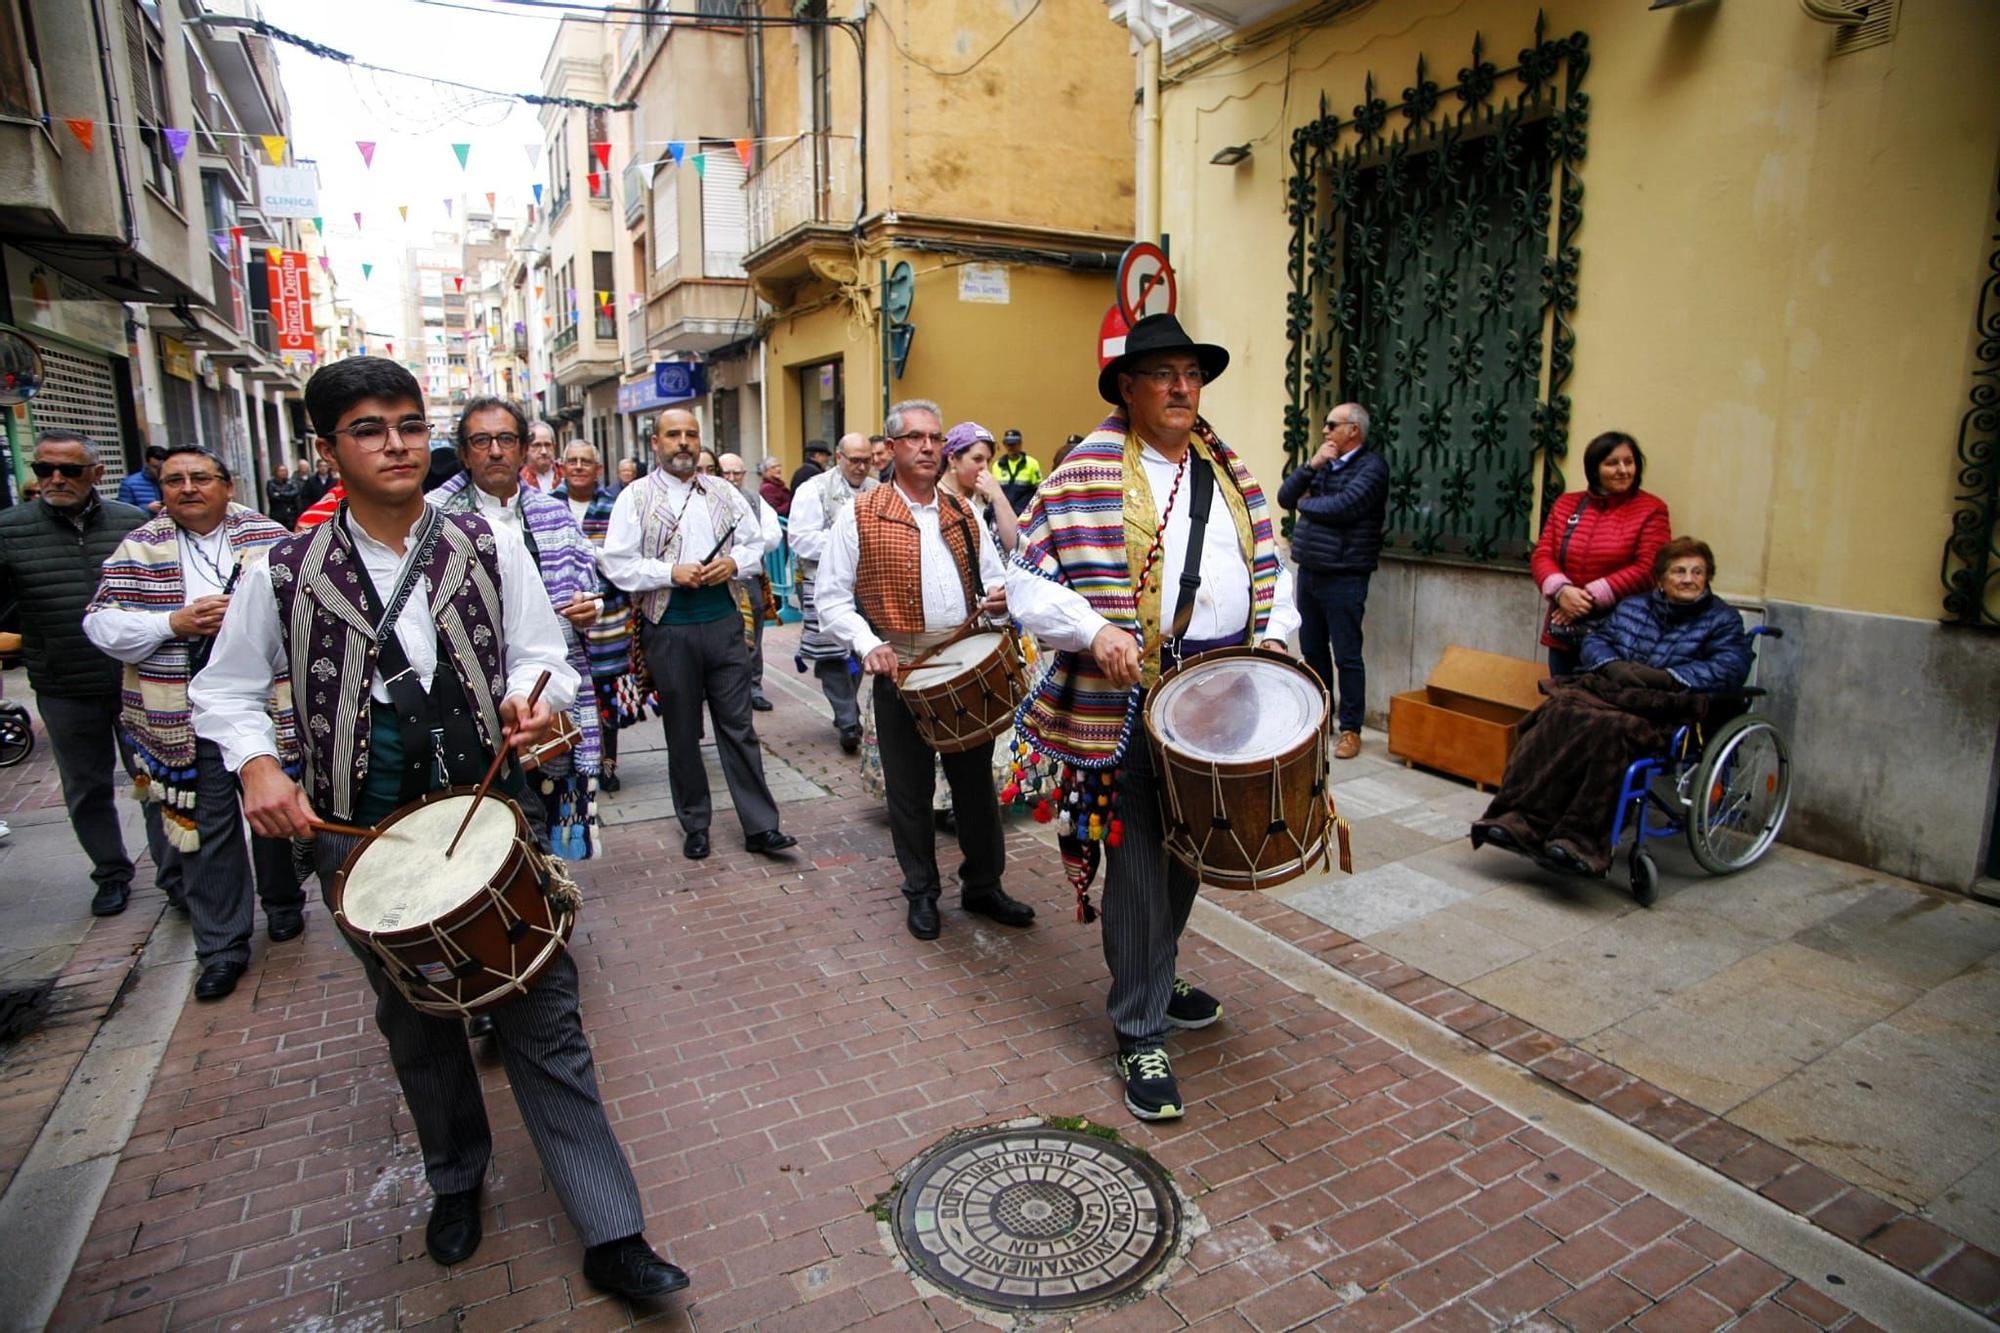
773	1047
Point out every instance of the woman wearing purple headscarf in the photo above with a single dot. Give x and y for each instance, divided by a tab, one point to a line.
968	449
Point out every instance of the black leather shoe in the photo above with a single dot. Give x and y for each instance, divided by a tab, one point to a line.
110	900
997	906
695	846
479	1025
850	739
924	918
453	1232
284	923
608	780
179	903
760	703
630	1269
217	980
769	841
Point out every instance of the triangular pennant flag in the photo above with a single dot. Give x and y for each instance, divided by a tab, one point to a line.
677	150
458	281
325	264
594	178
447	208
236	235
392	348
177	141
357	222
538	193
274	256
319	225
463	150
404	211
701	164
367	152
534	155
274	148
604	298
743	151
602	152
538	291
84	131
367	272
492	201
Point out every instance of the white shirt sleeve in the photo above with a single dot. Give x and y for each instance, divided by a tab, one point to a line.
833	588
808	530
992	569
129	636
624	564
533	632
1284	621
231	697
1059	617
746	544
773	533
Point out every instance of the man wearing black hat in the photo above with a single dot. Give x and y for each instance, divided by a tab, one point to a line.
817	458
1017	471
1158	460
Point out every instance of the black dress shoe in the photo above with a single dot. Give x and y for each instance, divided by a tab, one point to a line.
479	1025
850	739
284	923
630	1269
695	845
453	1232
760	703
997	906
924	922
769	841
608	780
110	900
217	980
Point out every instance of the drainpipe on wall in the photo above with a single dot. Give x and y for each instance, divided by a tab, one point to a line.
1148	183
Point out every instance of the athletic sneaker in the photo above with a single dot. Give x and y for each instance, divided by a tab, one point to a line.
1150	1090
1191	1006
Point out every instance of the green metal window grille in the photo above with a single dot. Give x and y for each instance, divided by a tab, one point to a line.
1972	553
1433	268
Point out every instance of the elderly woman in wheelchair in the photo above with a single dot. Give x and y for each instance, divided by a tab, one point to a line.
1661	686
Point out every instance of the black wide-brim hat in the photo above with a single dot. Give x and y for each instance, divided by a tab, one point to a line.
1159	333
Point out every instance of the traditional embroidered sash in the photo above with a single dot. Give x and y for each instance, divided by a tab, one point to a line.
660	530
144	574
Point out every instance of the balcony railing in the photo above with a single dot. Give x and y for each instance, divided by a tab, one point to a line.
634	185
635	340
557	203
607	329
564	341
520	342
810	180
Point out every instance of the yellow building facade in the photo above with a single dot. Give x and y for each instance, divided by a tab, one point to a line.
1777	241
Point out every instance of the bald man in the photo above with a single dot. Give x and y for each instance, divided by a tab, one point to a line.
816	506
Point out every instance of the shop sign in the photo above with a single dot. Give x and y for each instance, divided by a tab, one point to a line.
57	303
175	359
291	302
671	382
288	192
984	283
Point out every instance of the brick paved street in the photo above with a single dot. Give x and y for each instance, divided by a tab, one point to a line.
773	1047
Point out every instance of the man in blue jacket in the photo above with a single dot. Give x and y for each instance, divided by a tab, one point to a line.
1340	494
141	489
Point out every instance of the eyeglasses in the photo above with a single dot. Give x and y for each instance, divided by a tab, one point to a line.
732	472
74	471
1164	376
921	437
373	436
195	479
1331	424
485	440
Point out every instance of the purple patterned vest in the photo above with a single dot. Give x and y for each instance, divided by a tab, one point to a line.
318	587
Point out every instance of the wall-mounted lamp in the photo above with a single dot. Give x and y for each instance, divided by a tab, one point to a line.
1232	155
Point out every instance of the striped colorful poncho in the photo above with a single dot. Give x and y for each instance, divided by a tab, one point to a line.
144	574
609	642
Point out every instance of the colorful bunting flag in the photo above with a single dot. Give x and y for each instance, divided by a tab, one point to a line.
84	131
602	152
357	222
325	264
463	150
458	281
492	201
447	208
677	150
274	148
367	272
404	211
177	141
538	291
538	192
274	256
701	164
743	150
367	152
319	225
534	155
594	178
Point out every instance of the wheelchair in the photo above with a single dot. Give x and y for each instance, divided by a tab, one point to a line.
1726	789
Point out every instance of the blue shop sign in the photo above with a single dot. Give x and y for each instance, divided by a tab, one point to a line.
672	382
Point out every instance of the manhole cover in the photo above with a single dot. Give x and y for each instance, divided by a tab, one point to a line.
1035	1219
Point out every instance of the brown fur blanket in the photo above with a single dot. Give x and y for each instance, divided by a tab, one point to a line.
1562	782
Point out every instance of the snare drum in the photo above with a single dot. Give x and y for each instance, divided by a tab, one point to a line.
457	935
1239	746
965	691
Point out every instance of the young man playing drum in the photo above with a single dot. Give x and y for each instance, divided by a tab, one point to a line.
1116	605
905	566
387	718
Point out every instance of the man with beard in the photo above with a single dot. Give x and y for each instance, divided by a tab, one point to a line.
540	473
608	639
676	541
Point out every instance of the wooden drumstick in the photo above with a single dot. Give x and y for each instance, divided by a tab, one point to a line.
346	830
492	771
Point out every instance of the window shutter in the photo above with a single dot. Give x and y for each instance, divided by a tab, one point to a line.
137	54
666	217
725	219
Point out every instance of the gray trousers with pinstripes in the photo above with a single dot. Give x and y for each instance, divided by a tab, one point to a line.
549	1066
1147	899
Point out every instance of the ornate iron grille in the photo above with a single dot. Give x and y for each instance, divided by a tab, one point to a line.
1972	553
1434	269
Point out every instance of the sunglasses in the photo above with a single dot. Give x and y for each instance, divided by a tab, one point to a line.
74	471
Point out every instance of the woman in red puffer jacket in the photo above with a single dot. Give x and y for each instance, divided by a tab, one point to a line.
1598	547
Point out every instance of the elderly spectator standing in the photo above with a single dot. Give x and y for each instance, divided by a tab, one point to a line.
281	498
905	566
883	455
141	489
1106	599
1341	494
608	639
754	588
818	459
628	472
314	485
1597	547
676	541
52	554
816	507
490	435
1017	471
157	610
540	473
771	485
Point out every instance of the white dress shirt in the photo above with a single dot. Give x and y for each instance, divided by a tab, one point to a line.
231	695
809	529
133	636
943	585
497	512
769	535
1061	618
634	570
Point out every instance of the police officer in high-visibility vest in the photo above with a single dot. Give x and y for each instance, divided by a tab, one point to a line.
1018	470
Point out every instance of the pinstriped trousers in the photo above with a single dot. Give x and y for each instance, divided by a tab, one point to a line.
549	1066
1148	897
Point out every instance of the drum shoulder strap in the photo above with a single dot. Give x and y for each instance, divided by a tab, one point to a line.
1198	506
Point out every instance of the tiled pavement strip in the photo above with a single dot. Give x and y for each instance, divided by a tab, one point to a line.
773	1046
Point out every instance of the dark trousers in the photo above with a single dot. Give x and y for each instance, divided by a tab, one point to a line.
1148	896
607	726
842	689
756	592
216	877
89	747
1330	609
908	774
709	661
1565	661
549	1066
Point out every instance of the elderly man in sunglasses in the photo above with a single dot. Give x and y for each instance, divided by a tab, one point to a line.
52	553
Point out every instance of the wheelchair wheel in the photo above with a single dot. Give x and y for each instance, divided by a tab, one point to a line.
17	735
1740	795
1645	877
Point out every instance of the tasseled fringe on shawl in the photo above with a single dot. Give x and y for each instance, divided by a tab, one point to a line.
572	808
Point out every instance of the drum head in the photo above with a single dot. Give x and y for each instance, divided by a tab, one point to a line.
1236	709
402	878
959	659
